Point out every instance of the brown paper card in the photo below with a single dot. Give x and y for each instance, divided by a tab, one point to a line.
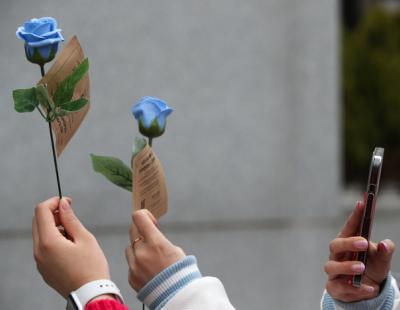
65	127
149	186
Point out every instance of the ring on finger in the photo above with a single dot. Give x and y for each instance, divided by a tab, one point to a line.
140	238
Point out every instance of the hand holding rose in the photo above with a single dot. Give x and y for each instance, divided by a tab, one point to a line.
150	252
65	264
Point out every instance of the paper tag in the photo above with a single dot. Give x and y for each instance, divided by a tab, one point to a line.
149	186
65	127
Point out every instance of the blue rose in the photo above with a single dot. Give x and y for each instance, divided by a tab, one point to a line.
42	38
151	114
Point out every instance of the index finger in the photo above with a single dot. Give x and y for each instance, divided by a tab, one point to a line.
46	223
146	225
353	222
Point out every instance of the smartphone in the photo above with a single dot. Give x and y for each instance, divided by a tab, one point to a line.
370	197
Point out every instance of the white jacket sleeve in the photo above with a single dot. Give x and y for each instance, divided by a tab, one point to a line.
205	293
182	287
388	299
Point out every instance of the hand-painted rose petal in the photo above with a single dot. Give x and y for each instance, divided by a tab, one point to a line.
162	117
45	42
42	29
53	34
29	37
29	26
150	113
161	104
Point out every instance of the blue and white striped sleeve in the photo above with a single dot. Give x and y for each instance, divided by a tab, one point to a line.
388	299
156	293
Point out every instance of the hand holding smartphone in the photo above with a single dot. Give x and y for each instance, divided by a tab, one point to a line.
370	198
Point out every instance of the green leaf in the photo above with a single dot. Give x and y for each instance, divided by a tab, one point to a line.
114	170
65	89
73	106
43	97
25	100
138	145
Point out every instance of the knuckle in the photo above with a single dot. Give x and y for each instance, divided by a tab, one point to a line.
326	267
45	246
70	217
137	214
332	246
141	256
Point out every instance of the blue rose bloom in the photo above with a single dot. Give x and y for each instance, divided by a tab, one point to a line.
151	114
42	38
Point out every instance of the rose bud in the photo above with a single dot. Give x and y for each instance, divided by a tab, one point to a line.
151	114
42	38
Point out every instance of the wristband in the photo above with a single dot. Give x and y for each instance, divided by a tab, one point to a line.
79	298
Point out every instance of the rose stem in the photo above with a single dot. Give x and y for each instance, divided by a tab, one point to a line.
52	146
42	70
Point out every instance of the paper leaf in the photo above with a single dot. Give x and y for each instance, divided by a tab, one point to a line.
114	170
65	89
138	145
73	106
66	124
25	100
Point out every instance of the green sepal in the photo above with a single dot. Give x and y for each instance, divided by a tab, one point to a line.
153	131
65	89
25	100
138	145
73	106
37	58
114	170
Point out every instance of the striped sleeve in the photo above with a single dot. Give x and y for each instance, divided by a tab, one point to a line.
156	293
386	300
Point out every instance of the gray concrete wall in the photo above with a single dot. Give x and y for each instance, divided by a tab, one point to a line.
251	153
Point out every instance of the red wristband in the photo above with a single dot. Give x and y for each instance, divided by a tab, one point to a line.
105	304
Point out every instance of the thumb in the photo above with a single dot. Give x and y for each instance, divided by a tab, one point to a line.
69	221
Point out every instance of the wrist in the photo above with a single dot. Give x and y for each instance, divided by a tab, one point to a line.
103	290
158	291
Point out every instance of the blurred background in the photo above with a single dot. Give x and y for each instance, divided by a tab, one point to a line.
279	105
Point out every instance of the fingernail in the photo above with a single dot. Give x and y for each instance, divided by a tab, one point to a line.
64	204
361	244
385	246
358	267
369	289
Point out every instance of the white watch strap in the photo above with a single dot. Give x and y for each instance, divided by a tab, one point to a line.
93	289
